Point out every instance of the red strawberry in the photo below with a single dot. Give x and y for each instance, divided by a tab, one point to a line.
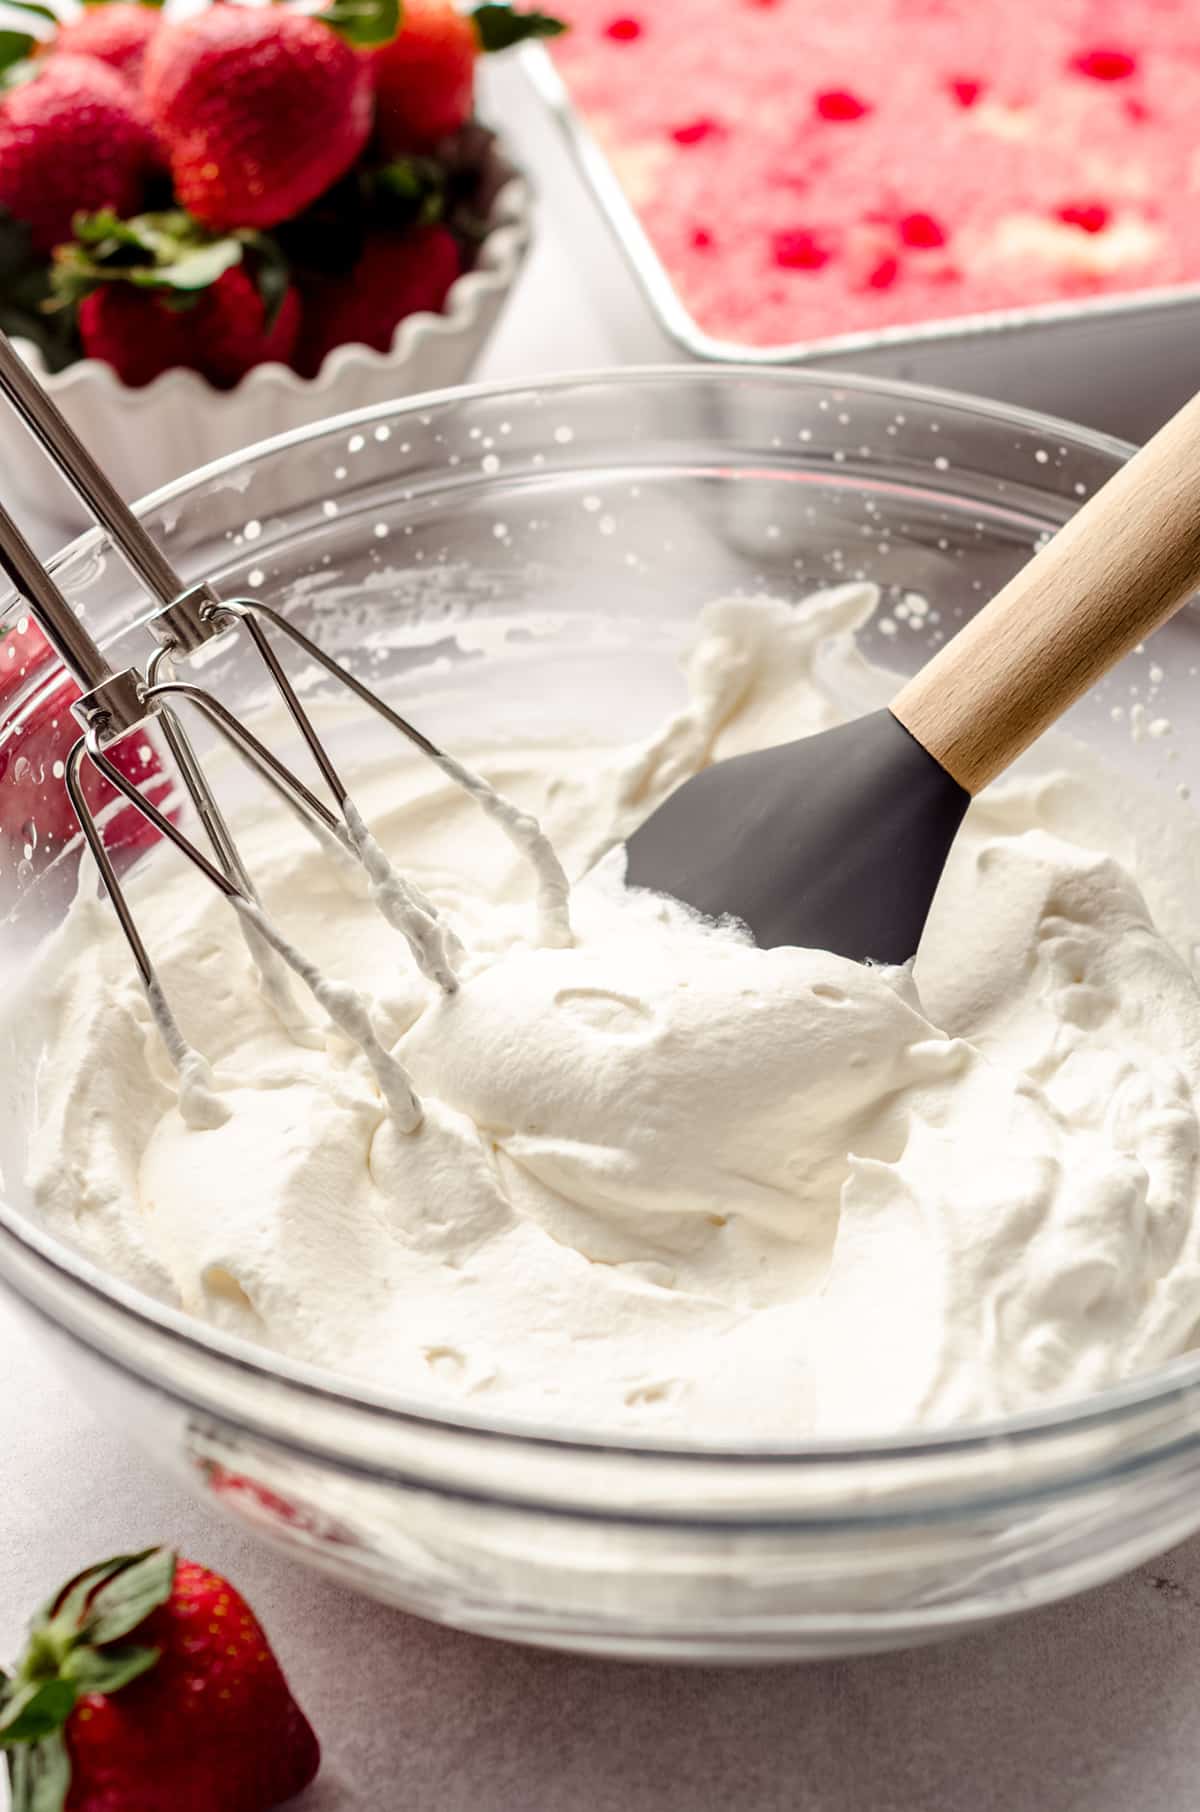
35	812
425	78
70	140
117	34
262	110
160	291
397	274
148	1686
143	332
235	334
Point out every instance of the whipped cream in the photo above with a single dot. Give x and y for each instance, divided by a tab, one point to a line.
662	1181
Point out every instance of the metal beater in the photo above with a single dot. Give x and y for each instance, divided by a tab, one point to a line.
116	703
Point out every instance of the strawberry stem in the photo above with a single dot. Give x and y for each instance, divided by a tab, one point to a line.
499	27
74	1649
363	23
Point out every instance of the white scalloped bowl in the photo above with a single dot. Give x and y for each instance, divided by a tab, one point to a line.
146	437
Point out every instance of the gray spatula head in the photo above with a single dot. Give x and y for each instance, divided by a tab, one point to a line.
836	842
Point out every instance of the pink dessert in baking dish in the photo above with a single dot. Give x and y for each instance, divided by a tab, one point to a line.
816	167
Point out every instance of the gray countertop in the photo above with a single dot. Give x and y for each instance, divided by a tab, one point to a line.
1092	1705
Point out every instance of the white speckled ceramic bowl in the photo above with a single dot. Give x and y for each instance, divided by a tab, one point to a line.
543	550
145	437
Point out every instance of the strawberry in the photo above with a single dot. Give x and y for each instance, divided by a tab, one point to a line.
35	813
159	292
425	78
237	329
261	109
137	332
148	1686
142	333
71	139
396	274
118	34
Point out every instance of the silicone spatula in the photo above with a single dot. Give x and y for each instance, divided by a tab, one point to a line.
838	841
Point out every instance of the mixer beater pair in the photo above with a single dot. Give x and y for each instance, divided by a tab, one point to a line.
115	703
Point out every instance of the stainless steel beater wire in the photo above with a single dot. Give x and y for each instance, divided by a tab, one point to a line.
89	668
160	821
388	1071
235	732
271	972
77	466
296	710
137	547
202	797
108	873
153	568
248	608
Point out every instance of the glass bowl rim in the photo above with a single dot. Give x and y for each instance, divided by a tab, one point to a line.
1162	1387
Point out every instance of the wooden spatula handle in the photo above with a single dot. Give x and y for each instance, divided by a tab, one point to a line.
1120	567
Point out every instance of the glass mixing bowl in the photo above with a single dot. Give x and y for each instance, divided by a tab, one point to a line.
601	513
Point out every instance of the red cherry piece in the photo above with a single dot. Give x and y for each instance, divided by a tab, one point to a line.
1105	65
799	251
623	30
1091	217
696	131
702	239
921	231
840	104
966	93
884	274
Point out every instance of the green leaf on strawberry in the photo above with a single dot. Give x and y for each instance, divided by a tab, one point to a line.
128	1596
272	273
168	251
40	1775
15	49
16	46
408	191
25	295
363	23
34	1710
91	1670
499	27
70	1601
16	74
171	255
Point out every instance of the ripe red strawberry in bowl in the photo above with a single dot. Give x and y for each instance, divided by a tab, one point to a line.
425	76
72	139
148	1685
36	815
118	34
256	180
261	109
395	275
159	293
142	333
